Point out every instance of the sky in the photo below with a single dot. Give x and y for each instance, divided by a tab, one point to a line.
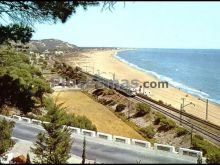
141	25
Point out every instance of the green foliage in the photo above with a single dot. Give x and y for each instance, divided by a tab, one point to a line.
79	121
180	131
198	137
142	109
210	151
21	84
70	72
213	158
5	135
43	11
108	91
148	131
53	146
158	117
166	124
120	107
15	32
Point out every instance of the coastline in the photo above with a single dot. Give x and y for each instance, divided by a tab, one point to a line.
105	62
156	76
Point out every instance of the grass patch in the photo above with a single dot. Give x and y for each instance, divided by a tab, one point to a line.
105	120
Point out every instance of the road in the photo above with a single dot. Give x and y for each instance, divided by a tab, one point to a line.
105	151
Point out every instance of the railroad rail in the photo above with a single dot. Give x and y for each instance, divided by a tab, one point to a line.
211	136
161	108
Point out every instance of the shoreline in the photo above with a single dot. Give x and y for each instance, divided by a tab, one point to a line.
104	62
115	55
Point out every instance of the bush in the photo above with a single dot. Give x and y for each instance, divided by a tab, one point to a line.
160	102
120	107
181	131
79	121
210	151
98	92
199	137
158	117
166	124
213	158
148	131
142	109
108	91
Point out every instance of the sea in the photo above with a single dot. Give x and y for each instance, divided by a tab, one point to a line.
195	71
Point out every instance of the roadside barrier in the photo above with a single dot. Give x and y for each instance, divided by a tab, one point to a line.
161	147
88	133
16	117
26	119
189	152
122	139
74	130
141	143
37	122
164	147
104	136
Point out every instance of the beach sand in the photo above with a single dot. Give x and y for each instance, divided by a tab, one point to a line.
105	63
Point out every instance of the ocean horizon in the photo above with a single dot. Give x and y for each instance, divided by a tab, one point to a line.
195	71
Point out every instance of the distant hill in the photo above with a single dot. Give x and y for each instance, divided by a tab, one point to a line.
51	45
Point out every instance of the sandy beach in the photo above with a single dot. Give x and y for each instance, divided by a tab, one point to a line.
105	63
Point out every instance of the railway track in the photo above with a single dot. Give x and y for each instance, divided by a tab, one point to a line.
208	134
215	138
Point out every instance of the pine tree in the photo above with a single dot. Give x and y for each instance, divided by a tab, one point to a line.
53	145
5	135
84	151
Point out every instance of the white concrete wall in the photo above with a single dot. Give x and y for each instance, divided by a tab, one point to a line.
38	122
104	136
141	143
16	117
164	147
75	130
88	132
189	152
25	119
45	122
161	147
121	139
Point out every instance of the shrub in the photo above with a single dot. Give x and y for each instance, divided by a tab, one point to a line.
98	92
181	131
120	107
148	131
142	109
199	137
166	124
108	91
160	102
209	150
79	121
158	117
